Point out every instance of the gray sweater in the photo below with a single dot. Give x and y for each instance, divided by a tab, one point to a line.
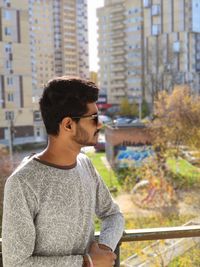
48	217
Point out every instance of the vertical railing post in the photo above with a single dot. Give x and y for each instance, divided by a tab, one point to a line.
117	252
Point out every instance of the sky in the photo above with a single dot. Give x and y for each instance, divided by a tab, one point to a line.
92	29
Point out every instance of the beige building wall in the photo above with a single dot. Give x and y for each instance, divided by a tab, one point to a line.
112	61
15	71
94	77
171	43
120	49
38	40
134	49
69	43
55	27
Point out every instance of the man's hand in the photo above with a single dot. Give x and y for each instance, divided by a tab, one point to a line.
101	257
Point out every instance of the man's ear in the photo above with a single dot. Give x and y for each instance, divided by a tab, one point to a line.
66	123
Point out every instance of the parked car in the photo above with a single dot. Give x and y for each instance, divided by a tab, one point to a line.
122	120
105	119
112	111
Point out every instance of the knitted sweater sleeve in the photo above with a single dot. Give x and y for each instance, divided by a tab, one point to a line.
108	212
18	230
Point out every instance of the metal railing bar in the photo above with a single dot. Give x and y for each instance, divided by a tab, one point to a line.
158	233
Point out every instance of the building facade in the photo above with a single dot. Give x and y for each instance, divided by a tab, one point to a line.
155	46
15	73
172	45
38	41
120	49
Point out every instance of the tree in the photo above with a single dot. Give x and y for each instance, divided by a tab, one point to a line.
177	123
161	69
177	119
127	108
145	109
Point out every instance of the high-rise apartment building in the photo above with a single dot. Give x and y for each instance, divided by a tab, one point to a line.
38	40
134	49
146	46
111	50
15	72
172	45
120	49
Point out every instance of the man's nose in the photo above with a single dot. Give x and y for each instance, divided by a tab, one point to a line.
99	125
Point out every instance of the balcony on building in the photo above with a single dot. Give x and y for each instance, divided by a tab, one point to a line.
118	52
117	9
119	77
117	35
119	92
117	18
117	85
118	68
119	59
120	43
117	26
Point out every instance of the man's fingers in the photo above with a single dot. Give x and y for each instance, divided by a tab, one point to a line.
94	245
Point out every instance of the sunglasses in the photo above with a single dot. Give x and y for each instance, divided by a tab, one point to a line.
94	117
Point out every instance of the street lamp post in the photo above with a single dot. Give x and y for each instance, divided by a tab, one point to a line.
10	139
140	107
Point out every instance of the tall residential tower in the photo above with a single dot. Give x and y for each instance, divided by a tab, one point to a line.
38	40
172	45
120	49
148	45
15	73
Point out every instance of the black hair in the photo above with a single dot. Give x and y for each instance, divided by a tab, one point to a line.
65	97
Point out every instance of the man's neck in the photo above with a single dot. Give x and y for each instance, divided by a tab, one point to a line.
59	154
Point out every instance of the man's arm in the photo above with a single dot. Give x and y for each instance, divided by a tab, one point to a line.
112	219
18	231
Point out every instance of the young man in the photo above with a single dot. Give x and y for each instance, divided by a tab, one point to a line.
51	198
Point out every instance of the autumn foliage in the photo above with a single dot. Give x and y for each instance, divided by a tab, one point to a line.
177	119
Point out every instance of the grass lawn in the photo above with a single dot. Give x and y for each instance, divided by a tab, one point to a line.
190	173
107	174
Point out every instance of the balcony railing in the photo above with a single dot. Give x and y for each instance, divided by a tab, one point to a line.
150	234
156	234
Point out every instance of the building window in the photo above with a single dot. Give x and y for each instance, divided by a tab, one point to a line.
8	64
6	2
10	97
7	31
9	115
7	14
38	132
155	10
146	3
37	116
9	80
156	29
176	47
8	48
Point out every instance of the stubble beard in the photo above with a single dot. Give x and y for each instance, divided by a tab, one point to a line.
82	137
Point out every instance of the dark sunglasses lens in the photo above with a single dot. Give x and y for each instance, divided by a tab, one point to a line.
96	119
